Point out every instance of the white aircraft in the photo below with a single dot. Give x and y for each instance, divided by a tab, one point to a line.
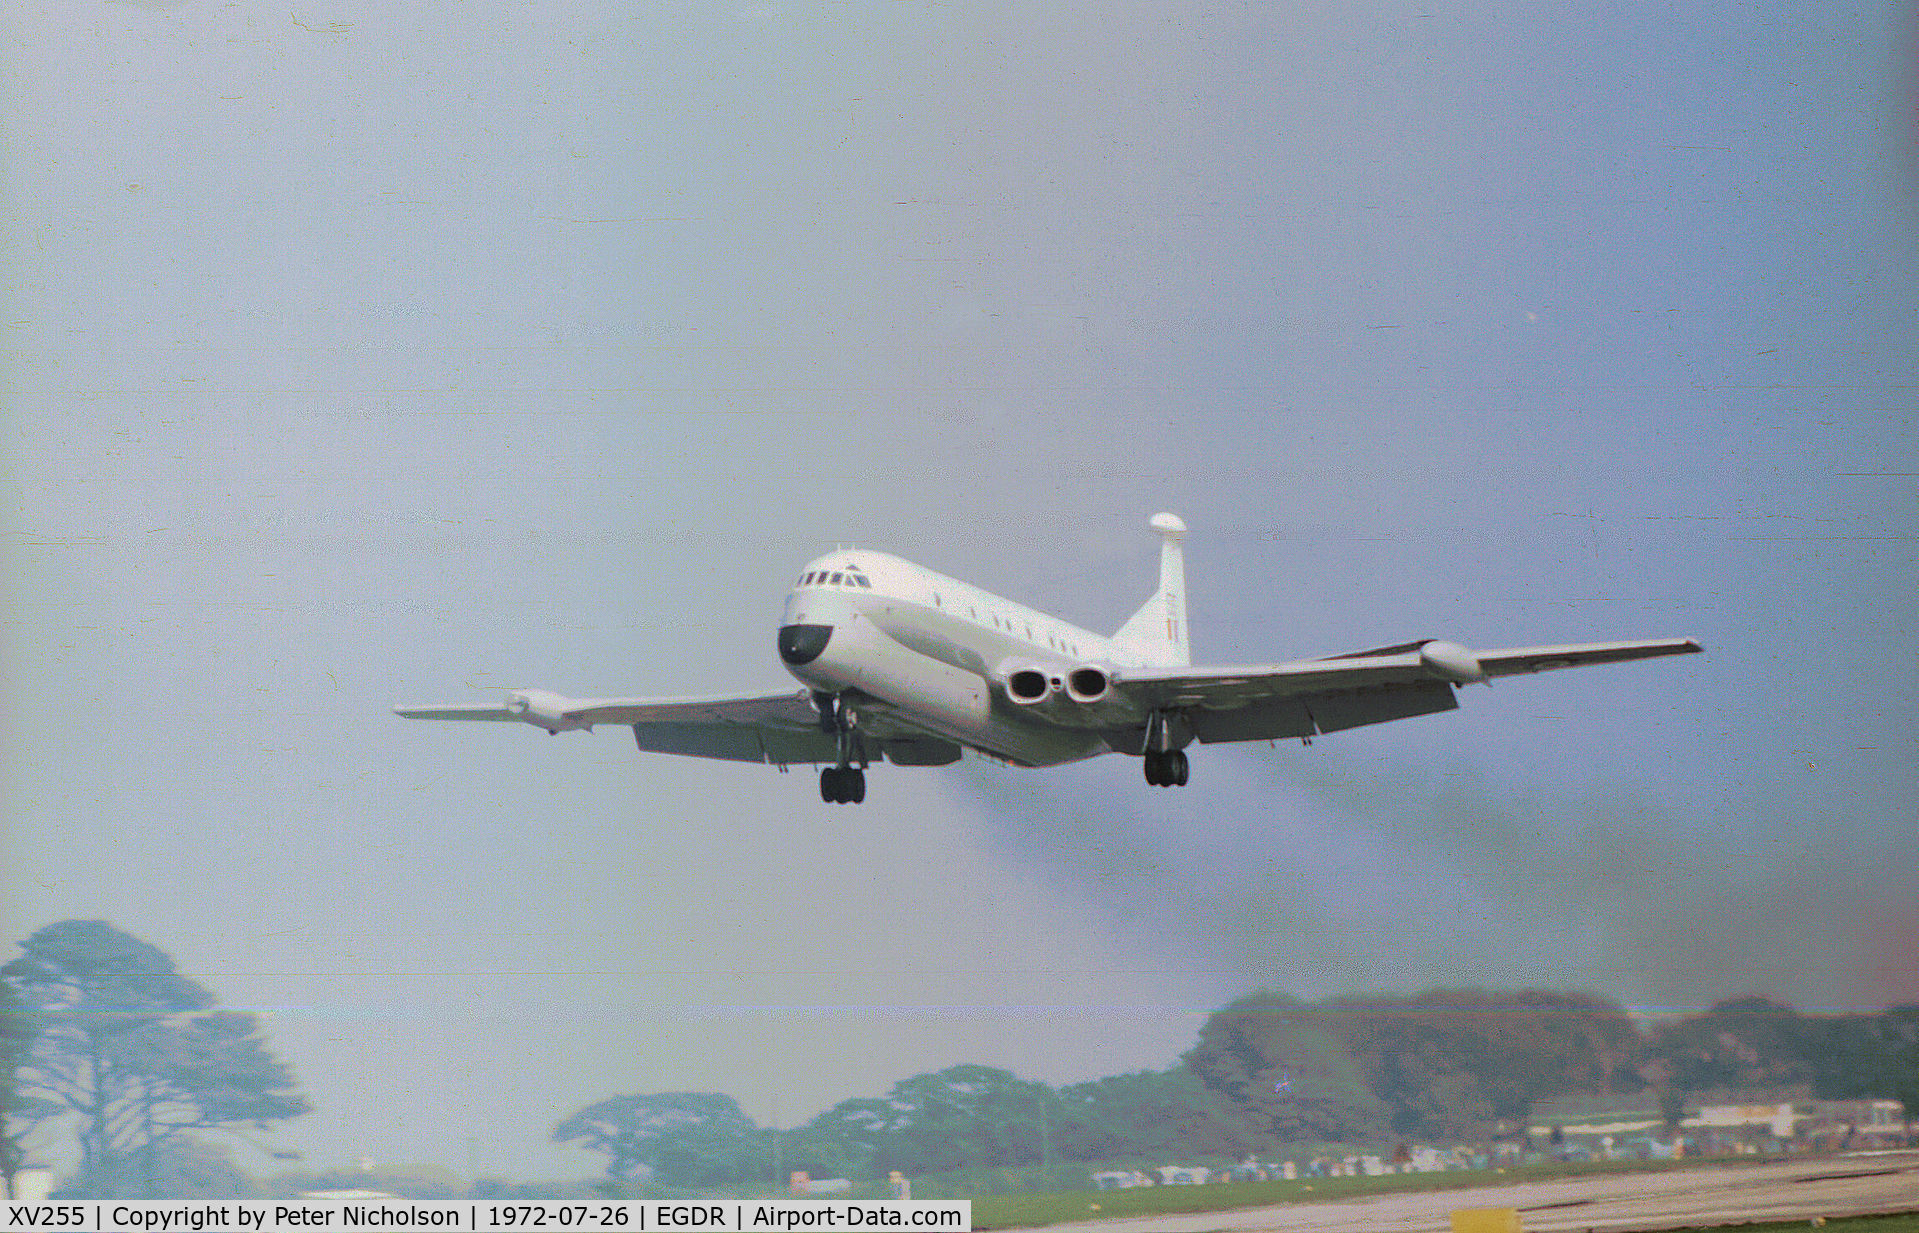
908	664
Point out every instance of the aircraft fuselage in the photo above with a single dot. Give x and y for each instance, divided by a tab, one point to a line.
939	654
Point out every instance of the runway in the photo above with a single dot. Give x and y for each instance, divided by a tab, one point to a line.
1709	1195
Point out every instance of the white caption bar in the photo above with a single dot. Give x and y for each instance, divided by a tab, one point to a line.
474	1216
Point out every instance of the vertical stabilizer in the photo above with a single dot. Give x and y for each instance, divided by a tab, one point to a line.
1156	634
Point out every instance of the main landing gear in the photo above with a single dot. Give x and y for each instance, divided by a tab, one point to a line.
842	785
1165	760
1166	768
845	783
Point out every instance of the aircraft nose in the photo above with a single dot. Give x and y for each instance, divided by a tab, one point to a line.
802	644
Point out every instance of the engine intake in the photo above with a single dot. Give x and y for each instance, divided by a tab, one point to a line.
1028	686
1087	684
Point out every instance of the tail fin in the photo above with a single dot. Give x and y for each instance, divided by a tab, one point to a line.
1156	634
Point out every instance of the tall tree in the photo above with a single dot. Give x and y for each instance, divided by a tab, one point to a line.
20	1111
960	1117
1153	1114
1450	1061
1744	1042
677	1138
135	1051
1856	1056
184	1167
1278	1062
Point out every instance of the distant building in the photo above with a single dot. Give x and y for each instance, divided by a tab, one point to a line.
801	1185
1183	1175
1778	1120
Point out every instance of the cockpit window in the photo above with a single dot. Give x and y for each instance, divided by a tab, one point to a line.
861	579
835	579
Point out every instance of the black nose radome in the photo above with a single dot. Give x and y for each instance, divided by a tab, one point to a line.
802	644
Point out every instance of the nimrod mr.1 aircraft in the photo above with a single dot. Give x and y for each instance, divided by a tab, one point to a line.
904	663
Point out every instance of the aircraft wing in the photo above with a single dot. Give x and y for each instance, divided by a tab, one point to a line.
778	728
1302	698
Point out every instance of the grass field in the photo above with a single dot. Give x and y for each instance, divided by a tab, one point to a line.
1025	1211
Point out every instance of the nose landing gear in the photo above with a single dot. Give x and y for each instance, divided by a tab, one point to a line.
844	783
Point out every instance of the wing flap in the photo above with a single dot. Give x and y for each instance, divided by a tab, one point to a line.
1355	708
777	728
726	742
1240	685
1268	719
780	711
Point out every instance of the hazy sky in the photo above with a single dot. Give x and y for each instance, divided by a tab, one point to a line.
357	358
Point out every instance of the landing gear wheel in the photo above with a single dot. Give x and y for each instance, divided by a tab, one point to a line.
842	785
1167	768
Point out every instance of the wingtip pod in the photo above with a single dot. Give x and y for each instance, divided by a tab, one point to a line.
1452	662
1172	526
539	707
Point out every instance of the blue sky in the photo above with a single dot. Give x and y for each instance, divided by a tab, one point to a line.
355	359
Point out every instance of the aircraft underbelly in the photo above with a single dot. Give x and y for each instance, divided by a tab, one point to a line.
1019	740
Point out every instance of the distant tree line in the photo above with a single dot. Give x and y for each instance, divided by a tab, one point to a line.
1268	1072
102	1038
